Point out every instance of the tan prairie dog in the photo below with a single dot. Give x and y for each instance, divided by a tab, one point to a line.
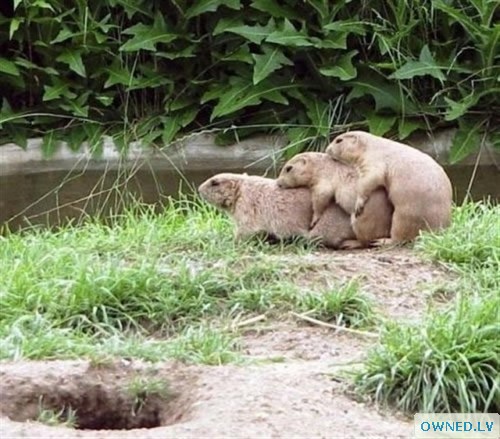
258	205
416	184
329	179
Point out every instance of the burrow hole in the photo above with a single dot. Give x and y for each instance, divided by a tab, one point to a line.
96	400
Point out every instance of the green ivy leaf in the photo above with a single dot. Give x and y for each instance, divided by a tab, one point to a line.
426	65
7	66
105	99
5	111
458	109
275	9
150	78
74	60
240	94
17	134
42	4
408	126
146	37
95	139
78	106
64	34
203	6
241	54
272	59
57	90
214	92
380	124
132	7
460	16
255	34
289	36
343	69
104	25
119	75
331	41
21	62
122	139
352	26
467	140
75	137
321	7
171	128
50	144
386	94
14	26
318	113
151	137
174	123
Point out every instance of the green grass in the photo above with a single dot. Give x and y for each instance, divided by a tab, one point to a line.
63	418
344	306
170	285
141	388
471	242
151	286
450	362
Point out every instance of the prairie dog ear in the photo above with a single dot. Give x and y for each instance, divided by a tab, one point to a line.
352	137
245	174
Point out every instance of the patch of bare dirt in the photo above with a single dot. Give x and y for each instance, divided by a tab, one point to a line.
396	279
289	388
295	397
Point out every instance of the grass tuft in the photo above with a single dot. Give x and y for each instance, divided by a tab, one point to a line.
450	363
206	346
142	388
472	240
66	417
346	306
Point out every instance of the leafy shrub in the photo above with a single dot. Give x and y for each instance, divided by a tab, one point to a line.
156	70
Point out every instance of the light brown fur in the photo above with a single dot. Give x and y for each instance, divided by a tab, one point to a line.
331	180
416	184
258	205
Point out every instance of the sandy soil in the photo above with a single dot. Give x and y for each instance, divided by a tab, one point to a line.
290	387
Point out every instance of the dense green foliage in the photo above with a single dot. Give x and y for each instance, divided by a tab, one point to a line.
155	70
450	362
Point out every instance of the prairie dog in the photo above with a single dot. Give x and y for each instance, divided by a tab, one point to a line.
258	205
416	184
329	179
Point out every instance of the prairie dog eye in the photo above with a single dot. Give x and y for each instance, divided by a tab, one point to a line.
338	140
288	168
215	183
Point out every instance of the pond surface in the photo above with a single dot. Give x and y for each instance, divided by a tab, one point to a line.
52	198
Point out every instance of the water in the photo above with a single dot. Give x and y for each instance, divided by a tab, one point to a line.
53	198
